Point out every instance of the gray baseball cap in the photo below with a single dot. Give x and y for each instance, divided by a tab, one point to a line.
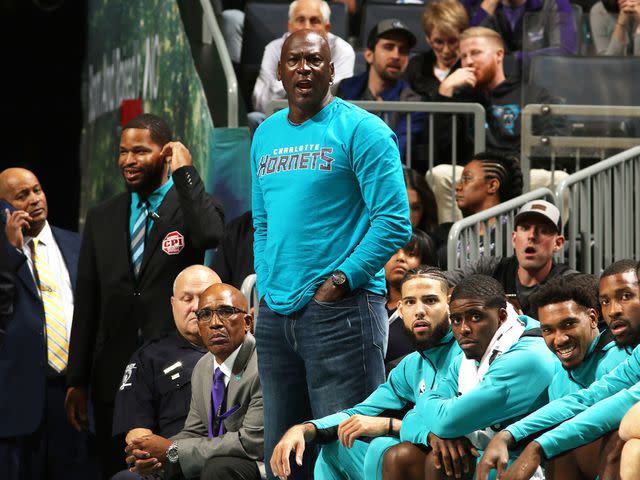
541	209
386	26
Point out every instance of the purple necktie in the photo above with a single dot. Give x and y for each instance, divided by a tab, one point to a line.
217	395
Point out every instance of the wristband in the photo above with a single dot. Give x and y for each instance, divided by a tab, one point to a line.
390	429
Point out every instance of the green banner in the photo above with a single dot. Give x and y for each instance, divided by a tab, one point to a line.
139	51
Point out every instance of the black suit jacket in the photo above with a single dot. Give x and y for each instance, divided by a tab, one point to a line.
23	354
111	304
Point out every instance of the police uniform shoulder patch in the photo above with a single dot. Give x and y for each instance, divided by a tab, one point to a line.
422	388
126	378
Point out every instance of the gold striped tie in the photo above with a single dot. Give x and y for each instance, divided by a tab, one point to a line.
57	343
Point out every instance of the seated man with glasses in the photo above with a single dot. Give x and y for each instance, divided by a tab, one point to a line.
223	433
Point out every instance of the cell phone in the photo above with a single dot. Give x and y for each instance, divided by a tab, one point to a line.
3	206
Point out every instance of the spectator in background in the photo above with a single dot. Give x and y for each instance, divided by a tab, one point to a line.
329	209
387	55
134	245
222	437
233	260
482	79
615	26
423	211
489	179
155	392
528	27
443	21
303	14
536	239
37	442
419	251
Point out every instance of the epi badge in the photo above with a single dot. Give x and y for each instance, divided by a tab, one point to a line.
422	388
173	243
128	372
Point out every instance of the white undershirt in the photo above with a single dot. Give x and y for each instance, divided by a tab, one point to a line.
440	74
227	365
49	251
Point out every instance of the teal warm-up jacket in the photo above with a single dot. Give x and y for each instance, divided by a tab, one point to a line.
603	356
415	375
586	415
515	384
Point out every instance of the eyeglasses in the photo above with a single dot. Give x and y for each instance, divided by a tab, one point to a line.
224	313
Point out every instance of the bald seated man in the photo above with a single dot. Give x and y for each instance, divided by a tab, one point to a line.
223	435
36	440
155	391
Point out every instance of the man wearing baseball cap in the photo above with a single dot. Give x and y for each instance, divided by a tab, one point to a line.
536	238
387	57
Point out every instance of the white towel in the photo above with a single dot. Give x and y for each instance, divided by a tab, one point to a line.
471	374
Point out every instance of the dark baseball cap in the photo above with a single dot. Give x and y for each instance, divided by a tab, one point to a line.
389	25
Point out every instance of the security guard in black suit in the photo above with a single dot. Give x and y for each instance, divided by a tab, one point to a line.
133	246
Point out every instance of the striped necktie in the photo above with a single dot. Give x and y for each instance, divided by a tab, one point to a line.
57	342
138	238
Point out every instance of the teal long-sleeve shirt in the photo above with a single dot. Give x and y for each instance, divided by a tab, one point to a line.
515	384
327	194
585	415
416	374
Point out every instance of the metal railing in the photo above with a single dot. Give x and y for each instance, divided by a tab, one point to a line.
211	24
574	146
604	201
248	289
431	109
466	244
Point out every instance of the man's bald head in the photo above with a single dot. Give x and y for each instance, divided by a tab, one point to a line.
187	288
223	294
306	35
198	273
22	190
223	319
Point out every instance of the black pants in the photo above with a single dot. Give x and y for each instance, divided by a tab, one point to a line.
110	448
220	468
55	451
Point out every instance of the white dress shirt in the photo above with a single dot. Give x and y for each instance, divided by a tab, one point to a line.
49	251
227	365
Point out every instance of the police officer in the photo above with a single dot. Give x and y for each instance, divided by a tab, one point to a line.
155	392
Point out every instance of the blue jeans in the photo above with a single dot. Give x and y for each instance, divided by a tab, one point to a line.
321	359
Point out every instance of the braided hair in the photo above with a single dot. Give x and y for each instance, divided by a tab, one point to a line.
504	168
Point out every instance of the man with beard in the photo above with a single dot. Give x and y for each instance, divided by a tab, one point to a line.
504	374
482	79
329	209
133	246
424	313
387	57
589	414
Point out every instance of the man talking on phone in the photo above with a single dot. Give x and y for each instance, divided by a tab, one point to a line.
537	237
36	440
133	246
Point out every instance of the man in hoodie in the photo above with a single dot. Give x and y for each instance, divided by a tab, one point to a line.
482	79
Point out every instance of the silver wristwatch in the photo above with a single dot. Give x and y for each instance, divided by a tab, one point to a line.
172	453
